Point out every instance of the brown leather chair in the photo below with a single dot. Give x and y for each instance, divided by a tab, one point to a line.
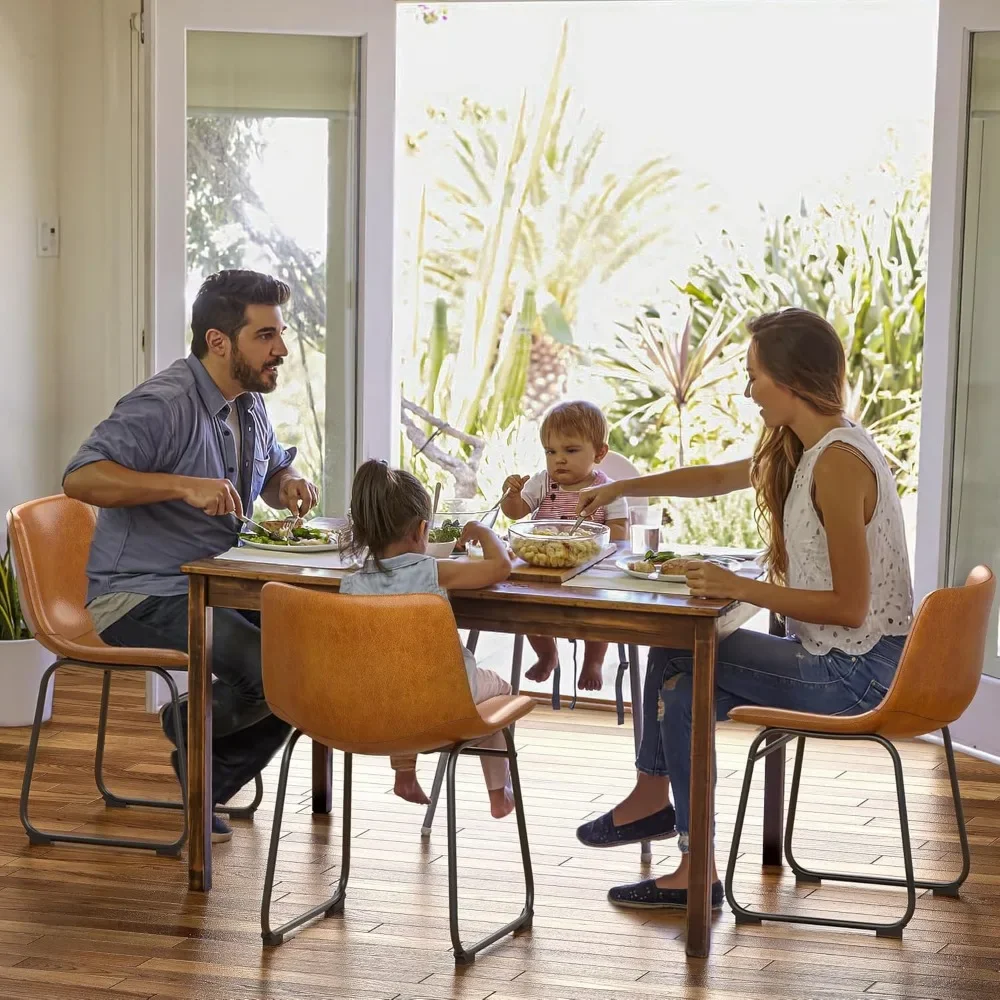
379	675
936	680
50	541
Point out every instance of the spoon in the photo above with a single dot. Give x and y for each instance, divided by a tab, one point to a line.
434	507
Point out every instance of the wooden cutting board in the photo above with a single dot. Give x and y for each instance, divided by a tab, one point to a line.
526	573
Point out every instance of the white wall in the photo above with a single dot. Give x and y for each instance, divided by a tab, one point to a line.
28	186
68	333
98	339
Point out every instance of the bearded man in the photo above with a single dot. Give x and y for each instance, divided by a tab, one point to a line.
172	469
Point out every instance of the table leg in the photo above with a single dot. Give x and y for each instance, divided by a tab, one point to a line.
322	778
699	908
774	806
774	787
199	748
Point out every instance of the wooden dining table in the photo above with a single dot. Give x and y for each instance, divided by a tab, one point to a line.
617	616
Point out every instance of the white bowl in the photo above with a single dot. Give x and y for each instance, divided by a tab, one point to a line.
440	550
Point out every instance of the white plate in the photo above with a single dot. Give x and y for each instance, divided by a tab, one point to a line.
749	570
326	547
622	564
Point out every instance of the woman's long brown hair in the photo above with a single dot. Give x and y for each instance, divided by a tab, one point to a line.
801	352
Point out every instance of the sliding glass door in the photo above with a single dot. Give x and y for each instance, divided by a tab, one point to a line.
273	151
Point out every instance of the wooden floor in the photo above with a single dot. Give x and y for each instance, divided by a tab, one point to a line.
80	923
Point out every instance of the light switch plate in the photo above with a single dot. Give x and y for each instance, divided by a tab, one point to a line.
48	237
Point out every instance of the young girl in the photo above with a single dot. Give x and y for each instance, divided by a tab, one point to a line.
390	517
838	573
575	438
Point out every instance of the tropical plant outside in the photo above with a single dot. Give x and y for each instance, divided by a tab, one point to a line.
504	245
227	227
674	369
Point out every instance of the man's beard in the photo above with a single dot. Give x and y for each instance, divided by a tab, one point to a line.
251	380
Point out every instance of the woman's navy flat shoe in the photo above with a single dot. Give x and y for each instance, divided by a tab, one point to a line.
602	832
647	896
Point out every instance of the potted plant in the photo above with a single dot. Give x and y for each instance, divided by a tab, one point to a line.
23	659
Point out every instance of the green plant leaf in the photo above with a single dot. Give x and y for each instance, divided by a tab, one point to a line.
556	325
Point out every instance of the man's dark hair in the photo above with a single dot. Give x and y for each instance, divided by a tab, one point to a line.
222	303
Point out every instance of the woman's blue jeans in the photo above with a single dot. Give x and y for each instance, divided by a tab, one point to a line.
752	668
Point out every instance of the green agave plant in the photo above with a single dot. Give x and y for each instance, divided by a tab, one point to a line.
505	243
12	624
866	272
660	372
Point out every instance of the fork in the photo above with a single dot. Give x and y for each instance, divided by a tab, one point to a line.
273	535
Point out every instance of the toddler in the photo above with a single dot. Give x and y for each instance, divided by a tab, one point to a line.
575	438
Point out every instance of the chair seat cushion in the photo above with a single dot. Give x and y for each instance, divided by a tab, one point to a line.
90	648
893	724
493	715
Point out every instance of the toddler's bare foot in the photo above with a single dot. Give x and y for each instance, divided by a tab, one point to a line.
501	801
590	676
407	787
542	669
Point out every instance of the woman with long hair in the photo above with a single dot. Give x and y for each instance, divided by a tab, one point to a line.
837	571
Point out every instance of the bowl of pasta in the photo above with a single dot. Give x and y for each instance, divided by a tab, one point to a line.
555	544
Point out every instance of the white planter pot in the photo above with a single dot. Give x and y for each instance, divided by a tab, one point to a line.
22	664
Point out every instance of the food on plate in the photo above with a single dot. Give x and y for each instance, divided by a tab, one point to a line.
294	534
665	563
555	548
449	531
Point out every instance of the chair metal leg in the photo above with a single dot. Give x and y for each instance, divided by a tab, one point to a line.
515	685
329	907
114	801
940	888
247	811
442	765
951	888
465	955
556	687
37	836
110	799
635	695
744	915
515	665
619	683
801	874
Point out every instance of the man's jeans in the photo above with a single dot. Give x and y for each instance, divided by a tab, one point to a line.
752	668
245	733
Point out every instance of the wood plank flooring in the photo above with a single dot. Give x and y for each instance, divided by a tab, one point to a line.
80	923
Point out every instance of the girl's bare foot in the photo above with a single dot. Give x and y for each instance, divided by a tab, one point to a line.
501	801
542	669
590	675
548	657
407	787
593	666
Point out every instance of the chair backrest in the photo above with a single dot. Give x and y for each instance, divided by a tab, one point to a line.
366	674
942	661
617	467
50	541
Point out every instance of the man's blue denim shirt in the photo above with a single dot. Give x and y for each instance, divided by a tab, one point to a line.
175	422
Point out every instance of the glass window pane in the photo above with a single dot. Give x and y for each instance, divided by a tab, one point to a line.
271	169
976	478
